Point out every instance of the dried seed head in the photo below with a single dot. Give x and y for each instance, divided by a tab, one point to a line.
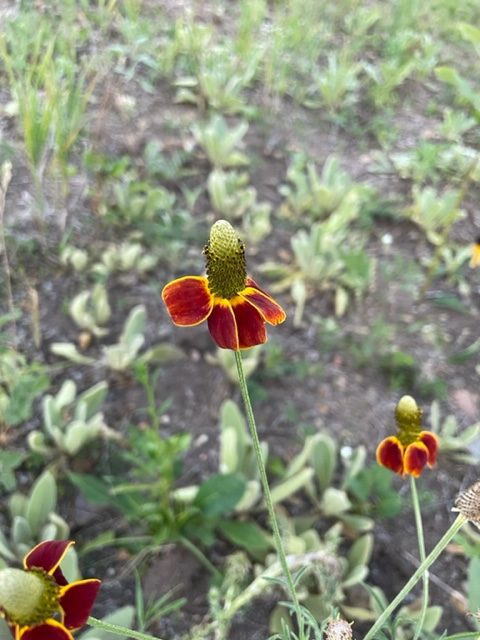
339	630
468	504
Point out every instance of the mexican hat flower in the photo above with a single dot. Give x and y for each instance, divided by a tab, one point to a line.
234	306
38	603
412	448
475	257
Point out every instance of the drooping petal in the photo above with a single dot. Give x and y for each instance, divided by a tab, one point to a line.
250	324
76	600
188	300
47	555
49	630
268	308
415	458
222	325
390	454
430	440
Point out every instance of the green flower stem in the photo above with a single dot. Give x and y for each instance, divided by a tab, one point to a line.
429	560
266	490
119	630
201	557
421	551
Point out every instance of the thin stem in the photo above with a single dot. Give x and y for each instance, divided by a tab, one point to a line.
119	630
429	560
201	557
266	490
5	177
421	551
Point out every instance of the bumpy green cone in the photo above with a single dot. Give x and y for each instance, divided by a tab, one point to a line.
225	252
27	597
409	419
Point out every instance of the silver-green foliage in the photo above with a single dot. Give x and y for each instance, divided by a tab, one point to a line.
33	519
312	194
233	198
435	213
122	355
220	143
70	421
90	310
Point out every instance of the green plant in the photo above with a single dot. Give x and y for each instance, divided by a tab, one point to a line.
73	257
454	441
435	213
328	257
334	85
90	310
237	456
465	92
226	360
313	194
135	202
455	124
20	384
324	576
125	257
51	87
385	78
220	143
231	196
9	461
33	519
123	617
419	164
220	80
122	355
70	421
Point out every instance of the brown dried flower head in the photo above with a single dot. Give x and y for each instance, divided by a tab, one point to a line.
468	504
339	630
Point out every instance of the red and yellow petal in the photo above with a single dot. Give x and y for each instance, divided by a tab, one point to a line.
475	257
431	441
415	458
76	601
222	325
250	323
47	555
390	454
267	307
188	300
48	630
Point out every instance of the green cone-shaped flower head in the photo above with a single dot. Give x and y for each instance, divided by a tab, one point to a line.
28	598
225	254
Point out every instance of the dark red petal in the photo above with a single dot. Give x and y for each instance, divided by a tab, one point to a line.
49	630
415	458
222	325
390	454
188	300
430	440
270	310
77	601
47	555
250	324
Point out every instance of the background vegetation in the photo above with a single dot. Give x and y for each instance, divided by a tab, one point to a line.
342	140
